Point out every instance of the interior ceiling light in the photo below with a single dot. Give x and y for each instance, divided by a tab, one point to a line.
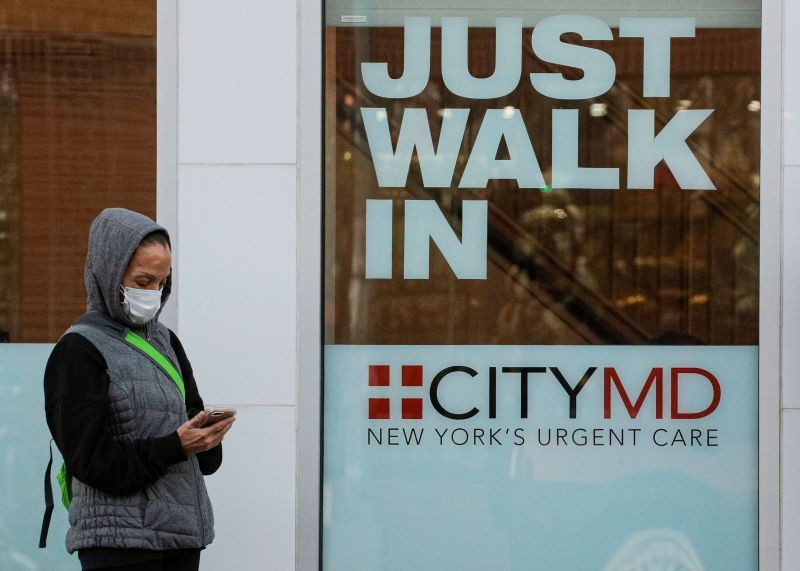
598	110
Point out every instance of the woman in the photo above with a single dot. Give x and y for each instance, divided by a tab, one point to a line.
130	435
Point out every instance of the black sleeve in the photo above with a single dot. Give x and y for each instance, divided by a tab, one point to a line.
210	460
76	406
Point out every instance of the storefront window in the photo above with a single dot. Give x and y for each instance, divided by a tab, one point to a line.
77	135
541	285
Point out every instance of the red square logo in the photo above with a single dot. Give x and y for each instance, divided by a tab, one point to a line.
412	375
378	375
379	409
412	409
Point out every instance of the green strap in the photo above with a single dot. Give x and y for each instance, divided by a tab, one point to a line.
139	342
65	483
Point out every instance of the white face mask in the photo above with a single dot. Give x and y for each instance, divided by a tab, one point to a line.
141	305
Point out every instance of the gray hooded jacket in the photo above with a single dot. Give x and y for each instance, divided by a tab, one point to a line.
174	512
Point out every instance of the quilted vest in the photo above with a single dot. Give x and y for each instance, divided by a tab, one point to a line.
173	512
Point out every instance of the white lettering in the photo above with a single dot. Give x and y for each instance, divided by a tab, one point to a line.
657	33
566	172
391	166
645	150
507	66
416	64
598	68
522	165
424	221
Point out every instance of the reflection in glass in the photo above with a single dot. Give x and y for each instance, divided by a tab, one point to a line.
656	550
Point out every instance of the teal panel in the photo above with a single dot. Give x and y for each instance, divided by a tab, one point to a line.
24	438
406	487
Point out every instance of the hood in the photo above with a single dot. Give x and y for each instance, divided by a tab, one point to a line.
113	238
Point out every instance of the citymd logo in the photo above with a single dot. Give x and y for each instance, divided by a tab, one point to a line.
380	407
663	382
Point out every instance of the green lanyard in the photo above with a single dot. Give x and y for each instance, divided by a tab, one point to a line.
140	343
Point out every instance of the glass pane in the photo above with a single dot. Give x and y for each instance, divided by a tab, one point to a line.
541	285
77	110
77	135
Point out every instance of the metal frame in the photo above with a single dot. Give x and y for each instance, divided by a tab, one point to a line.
770	302
308	534
167	139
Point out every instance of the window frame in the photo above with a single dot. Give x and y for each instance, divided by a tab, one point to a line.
310	236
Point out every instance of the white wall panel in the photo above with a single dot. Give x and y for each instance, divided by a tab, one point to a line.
790	378
791	490
237	81
791	83
253	494
237	291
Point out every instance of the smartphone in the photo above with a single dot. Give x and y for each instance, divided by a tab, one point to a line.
216	413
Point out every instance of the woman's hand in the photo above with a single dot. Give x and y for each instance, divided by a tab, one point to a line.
195	439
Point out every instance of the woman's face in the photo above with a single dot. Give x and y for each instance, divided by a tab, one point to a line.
148	268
